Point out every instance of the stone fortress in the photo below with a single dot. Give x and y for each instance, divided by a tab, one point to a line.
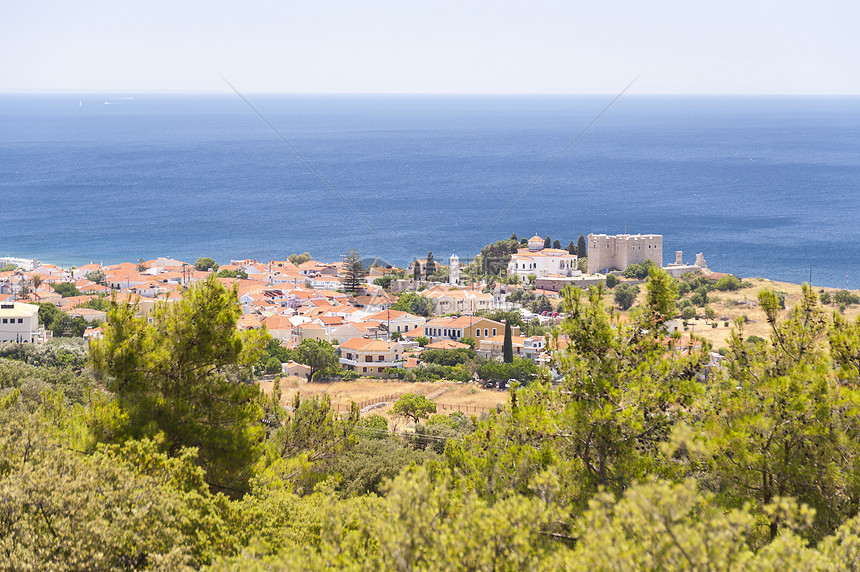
622	250
619	251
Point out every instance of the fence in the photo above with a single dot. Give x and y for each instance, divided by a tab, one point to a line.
362	405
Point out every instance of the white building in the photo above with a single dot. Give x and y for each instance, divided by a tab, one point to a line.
19	322
454	270
541	262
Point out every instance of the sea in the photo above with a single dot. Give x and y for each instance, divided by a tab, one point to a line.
761	185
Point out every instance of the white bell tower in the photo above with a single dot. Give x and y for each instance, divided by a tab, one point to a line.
454	270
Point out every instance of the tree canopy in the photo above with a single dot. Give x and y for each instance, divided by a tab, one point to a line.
170	371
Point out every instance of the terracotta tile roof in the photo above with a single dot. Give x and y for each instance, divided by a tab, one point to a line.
366	344
446	345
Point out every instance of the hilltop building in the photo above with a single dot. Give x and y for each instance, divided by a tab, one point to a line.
541	262
622	250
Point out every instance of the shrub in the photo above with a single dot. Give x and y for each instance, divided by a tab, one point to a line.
625	295
639	271
844	297
611	281
728	283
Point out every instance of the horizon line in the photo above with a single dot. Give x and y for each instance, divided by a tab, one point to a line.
113	92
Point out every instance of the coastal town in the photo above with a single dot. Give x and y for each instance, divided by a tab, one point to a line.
379	319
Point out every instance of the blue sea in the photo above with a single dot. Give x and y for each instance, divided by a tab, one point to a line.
763	186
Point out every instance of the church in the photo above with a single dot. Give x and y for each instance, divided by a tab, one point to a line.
542	262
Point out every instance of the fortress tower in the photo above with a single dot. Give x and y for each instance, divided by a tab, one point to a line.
622	250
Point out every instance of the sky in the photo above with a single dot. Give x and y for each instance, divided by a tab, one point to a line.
419	46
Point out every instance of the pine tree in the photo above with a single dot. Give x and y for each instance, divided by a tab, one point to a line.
355	271
556	244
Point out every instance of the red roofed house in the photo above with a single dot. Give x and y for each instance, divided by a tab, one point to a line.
370	357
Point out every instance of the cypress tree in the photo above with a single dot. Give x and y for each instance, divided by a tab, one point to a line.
571	248
556	244
581	250
508	345
430	267
416	271
547	242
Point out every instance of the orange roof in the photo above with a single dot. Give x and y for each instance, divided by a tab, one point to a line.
446	345
367	344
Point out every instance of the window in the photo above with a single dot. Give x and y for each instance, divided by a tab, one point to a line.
494	331
381	358
364	370
20	320
5	321
486	332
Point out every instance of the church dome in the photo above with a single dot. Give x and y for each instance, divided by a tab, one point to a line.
536	243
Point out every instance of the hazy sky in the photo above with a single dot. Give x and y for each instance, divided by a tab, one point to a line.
417	46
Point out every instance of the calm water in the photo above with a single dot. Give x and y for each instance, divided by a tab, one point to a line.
764	186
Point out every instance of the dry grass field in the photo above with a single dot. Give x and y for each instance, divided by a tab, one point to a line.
470	398
732	305
473	399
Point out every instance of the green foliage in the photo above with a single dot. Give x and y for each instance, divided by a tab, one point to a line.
688	313
505	316
422	341
611	281
65	289
299	259
119	508
313	434
97	276
273	365
845	297
227	273
507	345
8	268
413	406
169	373
414	304
448	357
205	263
522	370
624	295
581	247
541	304
373	426
365	468
728	283
319	355
355	272
519	295
430	266
639	270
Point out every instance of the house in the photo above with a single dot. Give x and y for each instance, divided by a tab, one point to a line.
453	300
370	357
465	327
87	314
533	348
493	347
19	322
397	321
296	369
